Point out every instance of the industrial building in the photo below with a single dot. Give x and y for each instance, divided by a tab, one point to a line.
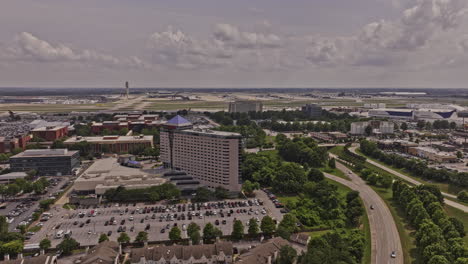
378	127
50	133
47	162
212	157
107	174
433	154
115	144
245	106
312	110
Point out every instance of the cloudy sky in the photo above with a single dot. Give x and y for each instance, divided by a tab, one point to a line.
234	43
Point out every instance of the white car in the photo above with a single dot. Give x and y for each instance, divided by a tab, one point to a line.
393	255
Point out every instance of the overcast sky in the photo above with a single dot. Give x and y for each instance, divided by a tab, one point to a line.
234	43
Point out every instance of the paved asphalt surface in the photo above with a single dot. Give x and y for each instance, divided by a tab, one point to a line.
384	233
415	182
90	232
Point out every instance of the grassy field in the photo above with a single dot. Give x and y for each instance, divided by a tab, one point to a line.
335	172
444	187
53	107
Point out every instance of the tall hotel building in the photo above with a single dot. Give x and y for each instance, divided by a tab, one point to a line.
212	157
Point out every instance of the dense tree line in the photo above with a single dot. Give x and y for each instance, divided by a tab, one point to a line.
23	186
415	167
253	134
439	239
302	150
346	247
338	125
153	193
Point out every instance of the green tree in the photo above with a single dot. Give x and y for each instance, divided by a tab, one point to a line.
141	237
175	234
368	130
202	195
386	181
268	226
404	126
287	226
45	244
463	196
123	238
315	175
3	225
221	193
287	255
68	245
102	238
438	259
237	230
12	247
253	227
210	232
248	187
459	155
12	189
192	228
332	163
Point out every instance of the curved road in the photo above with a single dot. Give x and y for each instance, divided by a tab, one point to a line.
415	182
384	233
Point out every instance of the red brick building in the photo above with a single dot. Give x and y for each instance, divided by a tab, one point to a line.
50	133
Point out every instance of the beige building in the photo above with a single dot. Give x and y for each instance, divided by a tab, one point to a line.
107	174
245	106
116	144
212	157
433	154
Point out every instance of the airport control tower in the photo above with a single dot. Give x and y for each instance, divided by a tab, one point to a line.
127	89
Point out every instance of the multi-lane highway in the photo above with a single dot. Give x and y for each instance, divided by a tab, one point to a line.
384	233
413	181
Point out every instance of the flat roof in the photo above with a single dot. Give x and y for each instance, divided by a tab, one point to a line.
110	139
32	153
49	128
208	132
13	176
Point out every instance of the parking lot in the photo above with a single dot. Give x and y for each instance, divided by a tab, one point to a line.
87	224
20	209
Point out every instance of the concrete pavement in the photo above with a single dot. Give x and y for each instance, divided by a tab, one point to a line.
415	182
384	233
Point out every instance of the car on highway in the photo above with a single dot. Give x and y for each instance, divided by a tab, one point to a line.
372	207
393	255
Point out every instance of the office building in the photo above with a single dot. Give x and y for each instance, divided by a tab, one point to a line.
114	144
312	110
212	157
47	162
245	106
220	252
50	133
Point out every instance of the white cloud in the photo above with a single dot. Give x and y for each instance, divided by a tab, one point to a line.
28	48
231	36
175	48
386	43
